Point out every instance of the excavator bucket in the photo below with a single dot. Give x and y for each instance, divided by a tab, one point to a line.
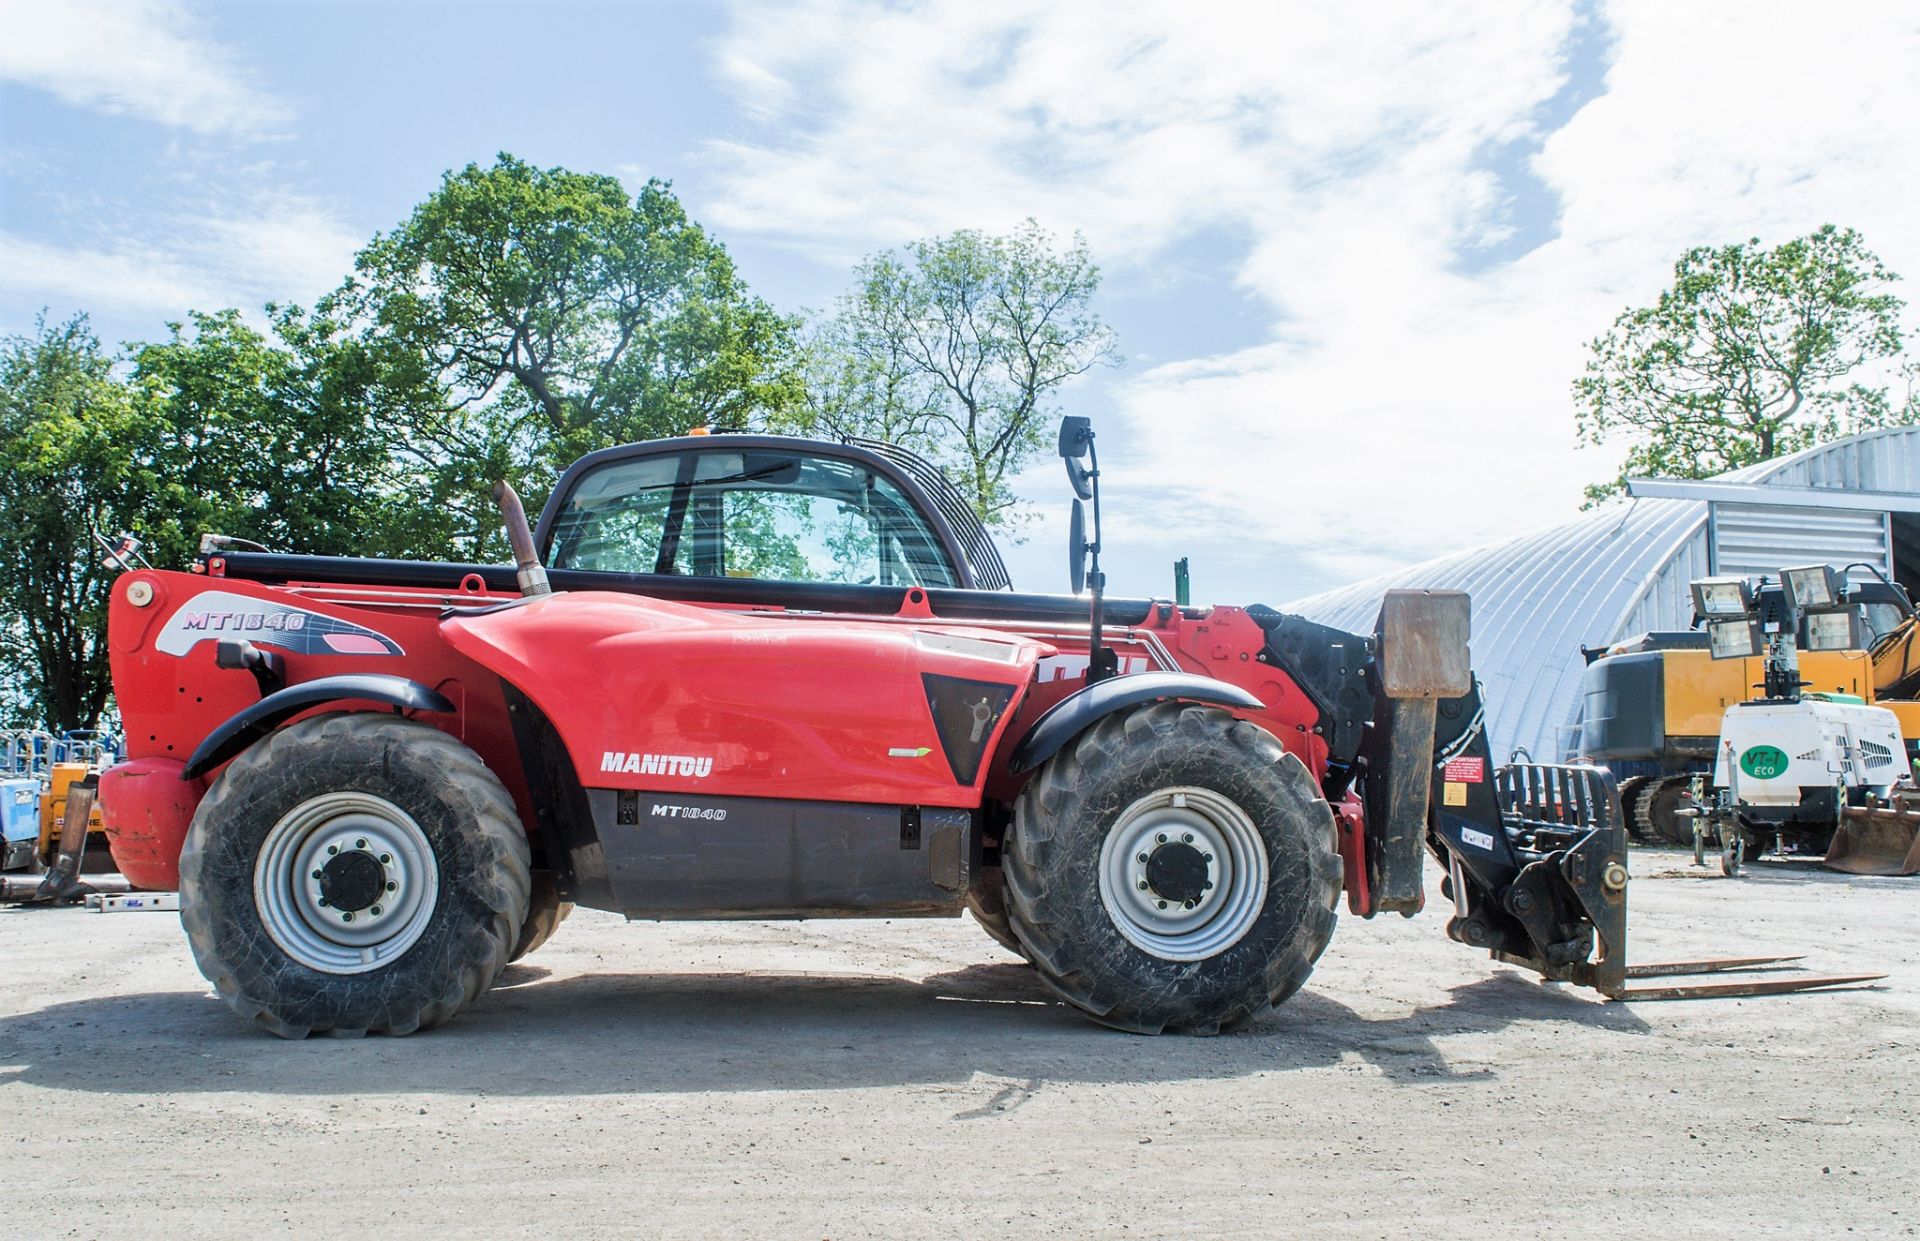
1877	840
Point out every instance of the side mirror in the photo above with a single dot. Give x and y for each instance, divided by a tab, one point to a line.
1076	433
1077	548
1076	437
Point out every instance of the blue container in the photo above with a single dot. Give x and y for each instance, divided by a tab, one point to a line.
19	822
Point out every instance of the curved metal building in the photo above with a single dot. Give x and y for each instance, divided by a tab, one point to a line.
1623	569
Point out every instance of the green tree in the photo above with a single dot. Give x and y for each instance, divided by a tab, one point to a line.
1748	356
269	437
554	314
284	439
65	426
957	347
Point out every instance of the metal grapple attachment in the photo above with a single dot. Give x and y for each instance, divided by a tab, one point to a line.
1536	857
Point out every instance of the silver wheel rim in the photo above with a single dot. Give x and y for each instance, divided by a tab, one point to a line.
289	891
1235	870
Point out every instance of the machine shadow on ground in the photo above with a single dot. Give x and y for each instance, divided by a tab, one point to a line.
641	1033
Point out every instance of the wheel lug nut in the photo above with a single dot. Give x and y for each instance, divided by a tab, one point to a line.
323	900
394	887
1142	858
1189	905
1162	838
346	917
1143	885
333	848
1188	838
375	911
1209	885
361	844
316	874
1163	904
1206	857
385	858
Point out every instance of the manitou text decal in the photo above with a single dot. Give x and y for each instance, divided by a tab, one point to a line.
656	764
215	614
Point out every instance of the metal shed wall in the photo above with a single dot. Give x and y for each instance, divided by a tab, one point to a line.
1623	570
1760	538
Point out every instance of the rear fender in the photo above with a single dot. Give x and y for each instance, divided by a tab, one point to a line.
246	727
1079	711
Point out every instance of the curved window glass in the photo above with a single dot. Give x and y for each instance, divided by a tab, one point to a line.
770	514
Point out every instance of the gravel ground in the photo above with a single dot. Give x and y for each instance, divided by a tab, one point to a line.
905	1079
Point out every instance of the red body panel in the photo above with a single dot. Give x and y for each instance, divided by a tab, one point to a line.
746	704
790	705
170	702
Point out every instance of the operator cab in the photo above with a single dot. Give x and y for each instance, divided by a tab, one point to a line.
768	508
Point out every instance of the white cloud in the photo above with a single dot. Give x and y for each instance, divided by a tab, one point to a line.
142	58
269	245
1409	400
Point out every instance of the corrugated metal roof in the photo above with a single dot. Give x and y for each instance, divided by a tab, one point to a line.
1615	572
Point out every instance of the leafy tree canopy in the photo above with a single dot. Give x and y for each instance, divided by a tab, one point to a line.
956	347
1752	354
550	314
64	472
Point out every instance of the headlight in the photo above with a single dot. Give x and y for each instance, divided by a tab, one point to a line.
1722	596
1812	586
1733	639
1834	631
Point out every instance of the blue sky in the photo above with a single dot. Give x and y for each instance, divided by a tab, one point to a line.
1352	255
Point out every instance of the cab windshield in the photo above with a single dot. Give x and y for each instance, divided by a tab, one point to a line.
769	514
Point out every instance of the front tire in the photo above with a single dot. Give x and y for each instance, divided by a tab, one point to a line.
1173	869
353	873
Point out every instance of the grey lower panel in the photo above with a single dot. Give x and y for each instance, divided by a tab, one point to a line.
669	855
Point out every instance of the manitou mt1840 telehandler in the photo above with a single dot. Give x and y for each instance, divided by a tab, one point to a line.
746	676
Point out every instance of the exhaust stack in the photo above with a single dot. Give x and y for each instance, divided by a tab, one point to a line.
526	561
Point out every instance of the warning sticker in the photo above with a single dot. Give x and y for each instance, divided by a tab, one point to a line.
1468	769
1453	794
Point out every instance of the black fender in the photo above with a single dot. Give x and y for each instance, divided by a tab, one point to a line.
248	726
1077	712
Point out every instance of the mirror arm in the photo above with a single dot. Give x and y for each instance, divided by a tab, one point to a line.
1101	661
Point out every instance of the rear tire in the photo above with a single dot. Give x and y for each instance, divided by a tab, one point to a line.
354	873
1207	800
987	901
545	912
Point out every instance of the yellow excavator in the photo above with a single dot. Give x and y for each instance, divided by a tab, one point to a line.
1652	706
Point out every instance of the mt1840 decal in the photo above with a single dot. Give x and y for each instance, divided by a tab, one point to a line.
215	614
